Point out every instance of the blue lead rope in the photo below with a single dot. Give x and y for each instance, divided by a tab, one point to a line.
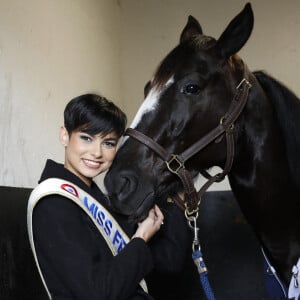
199	262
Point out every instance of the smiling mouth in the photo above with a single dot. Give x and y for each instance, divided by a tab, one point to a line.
92	164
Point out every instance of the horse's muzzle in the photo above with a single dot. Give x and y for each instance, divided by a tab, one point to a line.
128	194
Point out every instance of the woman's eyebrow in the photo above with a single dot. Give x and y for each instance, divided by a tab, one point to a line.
111	139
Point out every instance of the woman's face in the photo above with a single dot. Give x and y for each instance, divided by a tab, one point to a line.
88	155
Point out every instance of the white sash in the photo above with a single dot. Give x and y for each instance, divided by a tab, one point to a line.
111	231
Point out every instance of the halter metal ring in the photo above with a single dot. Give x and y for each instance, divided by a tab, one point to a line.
176	159
223	119
191	215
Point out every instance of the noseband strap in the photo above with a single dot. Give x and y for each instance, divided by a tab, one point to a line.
175	162
150	143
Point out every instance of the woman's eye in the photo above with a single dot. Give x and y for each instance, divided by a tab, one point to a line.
191	89
109	144
86	138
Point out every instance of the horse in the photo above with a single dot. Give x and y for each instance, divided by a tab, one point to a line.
203	86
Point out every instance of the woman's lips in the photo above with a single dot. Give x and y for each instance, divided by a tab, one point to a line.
92	164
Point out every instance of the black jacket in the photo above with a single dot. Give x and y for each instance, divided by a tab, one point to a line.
75	259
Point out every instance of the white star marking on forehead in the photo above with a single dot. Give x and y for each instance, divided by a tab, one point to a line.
150	102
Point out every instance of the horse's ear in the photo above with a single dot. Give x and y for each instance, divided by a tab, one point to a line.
191	28
237	32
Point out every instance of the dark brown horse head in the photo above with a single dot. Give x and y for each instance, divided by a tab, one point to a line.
190	92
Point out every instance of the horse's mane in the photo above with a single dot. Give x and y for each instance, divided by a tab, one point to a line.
287	108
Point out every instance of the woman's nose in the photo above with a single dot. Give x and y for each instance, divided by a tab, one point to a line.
97	151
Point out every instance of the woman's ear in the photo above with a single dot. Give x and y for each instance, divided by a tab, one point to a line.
64	136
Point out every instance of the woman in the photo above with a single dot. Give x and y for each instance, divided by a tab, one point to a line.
73	242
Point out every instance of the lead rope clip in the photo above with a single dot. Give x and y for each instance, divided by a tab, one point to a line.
192	221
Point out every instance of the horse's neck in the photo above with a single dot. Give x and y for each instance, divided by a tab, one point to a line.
262	184
260	177
271	210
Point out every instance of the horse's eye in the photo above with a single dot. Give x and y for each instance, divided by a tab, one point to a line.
191	89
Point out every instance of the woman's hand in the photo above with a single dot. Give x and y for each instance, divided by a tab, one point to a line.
150	225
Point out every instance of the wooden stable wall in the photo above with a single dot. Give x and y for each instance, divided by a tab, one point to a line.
230	250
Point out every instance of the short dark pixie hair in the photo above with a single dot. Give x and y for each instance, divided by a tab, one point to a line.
94	114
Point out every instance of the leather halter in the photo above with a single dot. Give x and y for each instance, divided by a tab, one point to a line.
175	162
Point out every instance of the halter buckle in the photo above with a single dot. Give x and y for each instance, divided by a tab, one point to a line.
244	80
174	159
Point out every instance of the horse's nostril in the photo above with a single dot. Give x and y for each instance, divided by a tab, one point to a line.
127	186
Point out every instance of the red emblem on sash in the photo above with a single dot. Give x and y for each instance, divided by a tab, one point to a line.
70	189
